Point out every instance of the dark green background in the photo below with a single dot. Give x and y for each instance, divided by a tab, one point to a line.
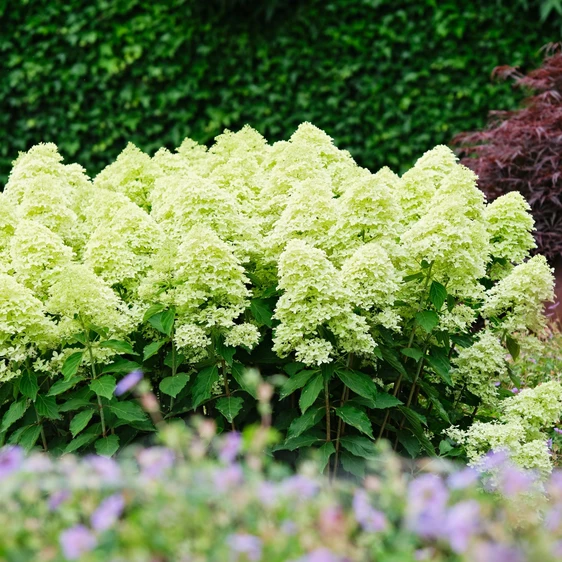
388	79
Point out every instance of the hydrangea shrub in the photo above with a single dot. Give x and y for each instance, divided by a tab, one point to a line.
378	305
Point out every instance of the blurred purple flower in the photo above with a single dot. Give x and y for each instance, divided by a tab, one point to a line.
228	478
11	460
105	467
76	541
230	447
553	518
557	550
463	478
494	459
493	552
515	480
370	519
515	390
57	498
155	461
108	512
321	555
549	444
301	486
461	524
128	382
497	383
557	430
268	493
289	527
249	545
427	500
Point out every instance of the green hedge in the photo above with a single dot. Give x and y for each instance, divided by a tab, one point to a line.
387	79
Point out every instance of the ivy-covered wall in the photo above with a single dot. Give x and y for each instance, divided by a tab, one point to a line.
388	79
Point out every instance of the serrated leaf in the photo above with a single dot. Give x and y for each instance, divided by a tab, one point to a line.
304	422
154	309
427	319
359	446
203	385
74	404
515	379
412	352
174	359
356	418
410	443
262	312
80	421
28	437
417	429
229	406
46	407
386	400
70	367
462	340
238	372
437	295
324	454
225	351
513	347
28	385
390	357
104	386
121	366
62	386
295	382
120	346
310	392
152	349
107	446
163	321
440	363
172	386
352	464
414	277
80	441
293	368
15	412
127	411
444	447
304	440
358	382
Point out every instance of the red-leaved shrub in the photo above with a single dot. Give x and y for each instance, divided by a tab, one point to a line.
522	149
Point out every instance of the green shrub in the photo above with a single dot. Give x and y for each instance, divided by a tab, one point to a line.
387	79
389	302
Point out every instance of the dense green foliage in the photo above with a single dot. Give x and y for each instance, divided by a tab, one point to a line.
387	79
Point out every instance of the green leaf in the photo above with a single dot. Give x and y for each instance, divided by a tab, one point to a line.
80	421
310	392
304	440
444	447
293	368
417	429
513	347
104	386
440	363
295	382
439	408
462	340
121	366
174	359
356	418
152	349
414	277
127	411
262	312
437	295
225	351
386	400
390	357
172	386
63	385
14	413
304	422
515	379
203	386
359	446
75	404
412	352
46	406
410	443
28	437
238	372
163	321
352	464
358	382
28	385
427	319
324	454
120	346
154	309
70	367
229	406
80	441
107	446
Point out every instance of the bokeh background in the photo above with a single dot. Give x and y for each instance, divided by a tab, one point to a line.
388	79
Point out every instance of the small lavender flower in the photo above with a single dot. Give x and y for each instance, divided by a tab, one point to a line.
230	447
268	493
58	498
320	555
105	467
494	552
155	461
461	524
463	478
248	545
128	382
514	481
427	500
108	512
228	478
76	541
370	519
11	460
494	459
301	486
558	430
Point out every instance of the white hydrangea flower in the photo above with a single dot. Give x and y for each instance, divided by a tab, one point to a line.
245	334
